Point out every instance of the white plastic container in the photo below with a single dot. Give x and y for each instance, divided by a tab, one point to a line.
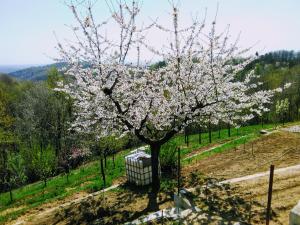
138	167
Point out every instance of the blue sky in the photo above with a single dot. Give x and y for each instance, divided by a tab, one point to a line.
27	26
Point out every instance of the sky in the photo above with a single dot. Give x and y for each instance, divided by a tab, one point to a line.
27	26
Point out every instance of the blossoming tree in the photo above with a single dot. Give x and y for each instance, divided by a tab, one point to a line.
115	95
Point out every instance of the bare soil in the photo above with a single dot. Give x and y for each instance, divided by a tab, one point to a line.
118	206
286	194
281	149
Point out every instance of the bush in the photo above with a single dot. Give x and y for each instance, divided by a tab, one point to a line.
168	157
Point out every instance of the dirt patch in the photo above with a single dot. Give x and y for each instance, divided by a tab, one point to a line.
11	210
119	180
286	194
114	207
280	149
46	209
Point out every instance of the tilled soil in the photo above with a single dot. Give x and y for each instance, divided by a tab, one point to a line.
281	149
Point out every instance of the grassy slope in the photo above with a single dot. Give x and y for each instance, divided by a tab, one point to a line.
87	178
241	134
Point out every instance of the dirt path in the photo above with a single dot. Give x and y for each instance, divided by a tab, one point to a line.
294	129
285	171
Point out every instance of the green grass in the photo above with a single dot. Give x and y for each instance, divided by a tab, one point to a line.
223	147
235	133
87	177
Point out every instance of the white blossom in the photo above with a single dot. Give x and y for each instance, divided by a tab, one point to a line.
198	81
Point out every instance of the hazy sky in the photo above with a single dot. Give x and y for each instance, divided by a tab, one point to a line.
27	26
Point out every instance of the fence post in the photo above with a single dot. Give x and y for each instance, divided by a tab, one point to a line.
178	170
268	216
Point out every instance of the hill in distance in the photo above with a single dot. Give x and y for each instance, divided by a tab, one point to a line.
265	64
35	73
12	68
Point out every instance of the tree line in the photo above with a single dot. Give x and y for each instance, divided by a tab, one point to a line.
36	137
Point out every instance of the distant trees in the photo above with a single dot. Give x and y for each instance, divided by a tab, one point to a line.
35	119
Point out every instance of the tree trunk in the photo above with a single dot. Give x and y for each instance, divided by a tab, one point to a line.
219	131
102	171
228	128
155	148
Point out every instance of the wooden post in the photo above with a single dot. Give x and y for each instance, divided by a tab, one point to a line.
268	216
113	156
228	129
209	132
102	171
187	139
200	139
178	170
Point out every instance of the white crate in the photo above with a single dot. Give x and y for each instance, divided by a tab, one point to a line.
138	167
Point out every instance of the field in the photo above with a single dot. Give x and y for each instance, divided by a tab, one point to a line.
280	149
245	152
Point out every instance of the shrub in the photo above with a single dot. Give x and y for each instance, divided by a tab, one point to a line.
168	157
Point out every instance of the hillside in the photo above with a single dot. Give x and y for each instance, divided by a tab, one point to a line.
35	73
12	68
275	68
72	202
